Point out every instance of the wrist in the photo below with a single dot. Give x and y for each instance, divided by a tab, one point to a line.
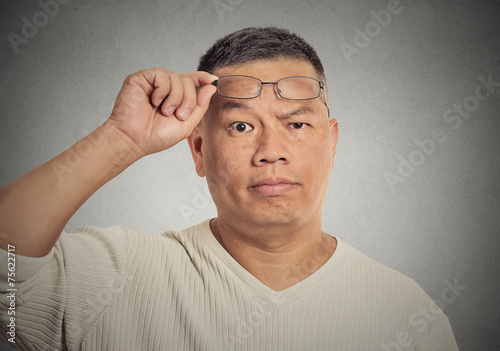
120	146
97	158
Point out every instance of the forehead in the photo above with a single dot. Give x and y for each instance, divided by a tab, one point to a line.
270	70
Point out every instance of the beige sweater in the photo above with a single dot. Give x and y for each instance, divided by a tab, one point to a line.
117	289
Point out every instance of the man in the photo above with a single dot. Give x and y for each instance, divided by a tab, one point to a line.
261	276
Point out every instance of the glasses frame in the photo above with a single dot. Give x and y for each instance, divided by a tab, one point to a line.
321	87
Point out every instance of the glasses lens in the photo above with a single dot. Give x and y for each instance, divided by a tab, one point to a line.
239	87
299	88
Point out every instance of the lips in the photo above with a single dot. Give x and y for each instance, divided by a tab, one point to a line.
273	186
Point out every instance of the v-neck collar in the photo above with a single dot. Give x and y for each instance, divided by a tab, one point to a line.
276	297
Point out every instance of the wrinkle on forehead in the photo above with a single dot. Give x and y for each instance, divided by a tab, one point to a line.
284	113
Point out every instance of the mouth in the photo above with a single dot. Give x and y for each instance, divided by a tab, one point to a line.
273	186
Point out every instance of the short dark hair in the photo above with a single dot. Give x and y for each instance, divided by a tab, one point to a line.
259	44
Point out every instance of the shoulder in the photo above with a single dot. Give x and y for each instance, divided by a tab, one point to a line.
103	246
402	307
389	285
117	242
190	239
368	268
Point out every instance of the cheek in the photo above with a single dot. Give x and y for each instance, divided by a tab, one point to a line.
327	148
318	145
317	157
222	164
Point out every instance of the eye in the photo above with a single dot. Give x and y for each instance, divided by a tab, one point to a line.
241	127
298	125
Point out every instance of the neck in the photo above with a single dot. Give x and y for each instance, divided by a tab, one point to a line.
280	257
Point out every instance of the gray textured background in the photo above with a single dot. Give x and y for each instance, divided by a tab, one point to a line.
438	223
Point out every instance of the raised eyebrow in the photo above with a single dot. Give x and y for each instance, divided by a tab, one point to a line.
300	111
231	105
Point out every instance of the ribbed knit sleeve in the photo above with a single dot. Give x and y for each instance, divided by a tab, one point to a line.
59	295
440	337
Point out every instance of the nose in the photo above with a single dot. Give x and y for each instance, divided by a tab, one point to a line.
272	147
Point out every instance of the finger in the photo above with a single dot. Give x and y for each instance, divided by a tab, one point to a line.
201	78
175	95
188	99
203	98
159	79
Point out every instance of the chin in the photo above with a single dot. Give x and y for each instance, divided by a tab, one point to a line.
275	217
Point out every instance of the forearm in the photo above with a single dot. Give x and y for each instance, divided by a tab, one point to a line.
35	207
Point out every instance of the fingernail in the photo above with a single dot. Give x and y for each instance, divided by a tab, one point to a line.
158	102
185	114
170	111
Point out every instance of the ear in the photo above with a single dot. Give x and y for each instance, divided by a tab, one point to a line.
334	129
195	142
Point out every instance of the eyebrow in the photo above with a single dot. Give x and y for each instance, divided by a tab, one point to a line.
300	111
231	104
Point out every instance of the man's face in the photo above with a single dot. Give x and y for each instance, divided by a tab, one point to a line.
267	160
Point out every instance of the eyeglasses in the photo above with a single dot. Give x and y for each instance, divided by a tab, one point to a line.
290	88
